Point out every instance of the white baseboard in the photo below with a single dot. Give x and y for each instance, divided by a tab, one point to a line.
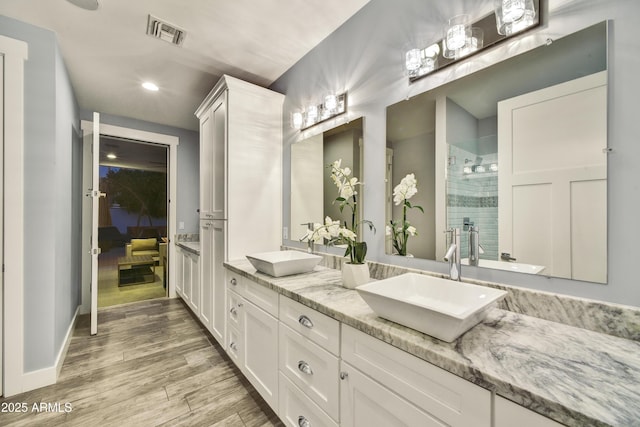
62	354
47	376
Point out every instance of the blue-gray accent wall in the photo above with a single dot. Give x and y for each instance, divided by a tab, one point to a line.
52	272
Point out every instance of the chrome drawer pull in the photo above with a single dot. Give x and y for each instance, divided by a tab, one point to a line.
233	346
233	281
305	321
303	422
305	368
232	310
344	375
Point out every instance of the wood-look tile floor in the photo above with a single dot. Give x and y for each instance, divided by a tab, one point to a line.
151	364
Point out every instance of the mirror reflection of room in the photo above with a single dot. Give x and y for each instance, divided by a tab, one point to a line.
312	191
513	155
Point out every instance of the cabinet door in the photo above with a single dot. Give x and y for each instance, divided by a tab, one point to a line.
218	321
206	274
186	278
218	184
194	267
260	364
366	403
509	414
206	160
179	272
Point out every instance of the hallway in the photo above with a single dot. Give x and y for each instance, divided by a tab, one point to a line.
150	365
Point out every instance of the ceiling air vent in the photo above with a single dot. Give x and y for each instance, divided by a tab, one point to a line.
165	31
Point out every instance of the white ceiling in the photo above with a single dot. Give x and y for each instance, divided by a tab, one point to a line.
108	54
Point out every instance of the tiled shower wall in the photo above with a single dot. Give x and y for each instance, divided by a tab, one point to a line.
474	196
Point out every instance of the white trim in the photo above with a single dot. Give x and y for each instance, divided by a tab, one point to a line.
47	376
172	142
15	52
62	354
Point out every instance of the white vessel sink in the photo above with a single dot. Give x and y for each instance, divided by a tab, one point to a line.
283	263
518	267
442	308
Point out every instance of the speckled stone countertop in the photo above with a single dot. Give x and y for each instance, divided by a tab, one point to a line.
193	247
574	376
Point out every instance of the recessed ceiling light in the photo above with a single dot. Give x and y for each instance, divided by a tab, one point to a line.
111	156
150	86
86	4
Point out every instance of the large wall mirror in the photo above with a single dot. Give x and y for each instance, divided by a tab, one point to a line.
516	151
312	190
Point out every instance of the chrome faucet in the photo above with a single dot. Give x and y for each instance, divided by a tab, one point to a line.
475	248
453	253
308	236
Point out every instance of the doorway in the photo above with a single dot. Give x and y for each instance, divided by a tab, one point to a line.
132	224
90	238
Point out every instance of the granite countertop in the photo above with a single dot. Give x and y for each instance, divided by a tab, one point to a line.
574	376
193	247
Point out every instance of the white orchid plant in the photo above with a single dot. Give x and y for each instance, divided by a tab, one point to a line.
401	231
332	232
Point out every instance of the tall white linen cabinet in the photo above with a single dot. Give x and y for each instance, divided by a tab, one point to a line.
240	185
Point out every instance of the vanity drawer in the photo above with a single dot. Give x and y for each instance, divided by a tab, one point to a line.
442	394
296	409
234	280
314	370
319	328
261	296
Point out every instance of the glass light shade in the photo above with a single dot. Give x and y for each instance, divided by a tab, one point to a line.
413	60
474	43
456	34
513	16
331	103
467	169
312	113
480	169
296	120
494	167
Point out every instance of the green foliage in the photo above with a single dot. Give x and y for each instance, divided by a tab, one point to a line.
138	191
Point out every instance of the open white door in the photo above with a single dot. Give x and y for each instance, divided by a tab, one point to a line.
1	221
95	199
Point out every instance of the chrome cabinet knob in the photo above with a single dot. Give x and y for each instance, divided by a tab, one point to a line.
305	321
303	421
233	281
344	375
305	368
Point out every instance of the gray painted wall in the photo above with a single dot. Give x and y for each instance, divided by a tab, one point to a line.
364	57
51	272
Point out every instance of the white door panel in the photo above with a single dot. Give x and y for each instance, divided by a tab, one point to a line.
550	146
95	200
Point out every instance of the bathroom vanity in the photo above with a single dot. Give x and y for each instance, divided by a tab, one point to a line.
317	352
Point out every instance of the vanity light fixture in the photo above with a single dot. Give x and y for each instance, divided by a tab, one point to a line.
332	106
513	16
462	38
419	62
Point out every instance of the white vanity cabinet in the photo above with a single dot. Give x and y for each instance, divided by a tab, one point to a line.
179	275
188	278
252	334
309	365
383	382
508	414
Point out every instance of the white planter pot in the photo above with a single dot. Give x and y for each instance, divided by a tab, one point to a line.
354	275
